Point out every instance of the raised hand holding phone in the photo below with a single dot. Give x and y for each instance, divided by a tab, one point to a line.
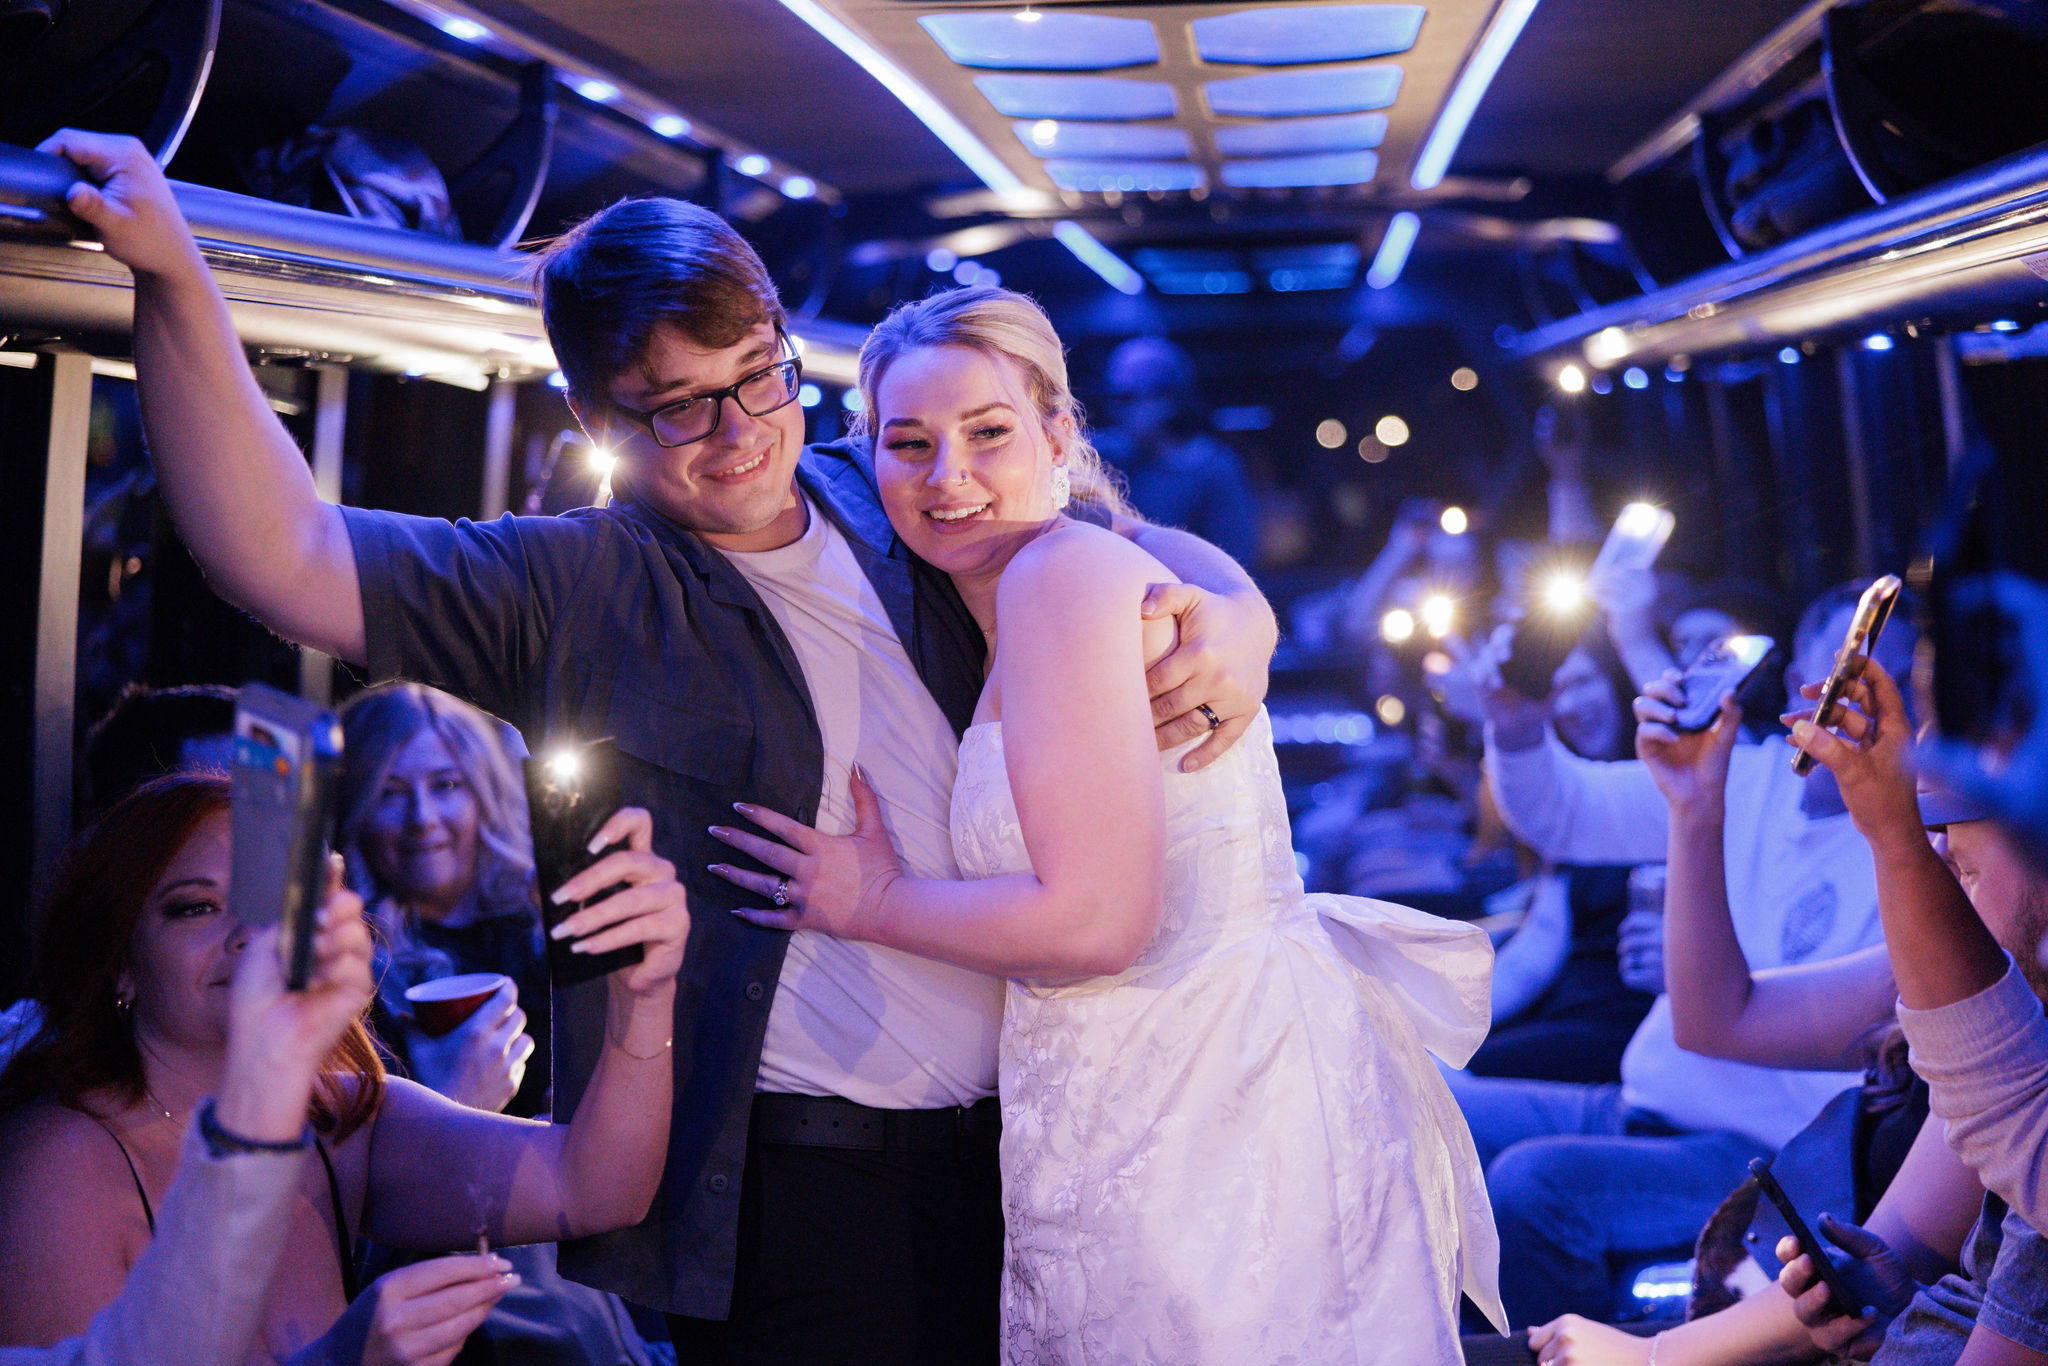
1690	766
1872	611
1874	1274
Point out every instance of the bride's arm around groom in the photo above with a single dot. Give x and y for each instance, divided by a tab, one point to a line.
1069	687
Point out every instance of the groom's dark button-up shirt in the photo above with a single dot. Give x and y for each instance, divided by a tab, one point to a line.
620	623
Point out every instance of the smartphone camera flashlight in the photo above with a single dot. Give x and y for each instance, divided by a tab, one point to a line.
1564	592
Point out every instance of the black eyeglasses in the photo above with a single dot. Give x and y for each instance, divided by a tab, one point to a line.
689	420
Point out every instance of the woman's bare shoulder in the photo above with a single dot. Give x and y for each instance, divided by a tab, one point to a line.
68	1203
1077	555
44	1141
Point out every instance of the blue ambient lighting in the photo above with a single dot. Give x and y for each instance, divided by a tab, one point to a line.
1789	355
2005	325
940	260
468	30
671	125
1394	249
810	395
1203	282
799	187
1327	168
1098	258
558	380
1478	74
752	164
1337	90
1056	42
1307	33
919	101
1050	138
600	92
1635	377
1076	97
1129	177
1877	341
1334	133
852	401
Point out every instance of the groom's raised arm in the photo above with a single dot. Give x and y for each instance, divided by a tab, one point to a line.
237	486
1227	635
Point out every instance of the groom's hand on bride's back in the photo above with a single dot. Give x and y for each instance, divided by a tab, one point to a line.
1219	662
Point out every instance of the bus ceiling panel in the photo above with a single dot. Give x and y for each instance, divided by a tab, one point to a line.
1954	254
1223	79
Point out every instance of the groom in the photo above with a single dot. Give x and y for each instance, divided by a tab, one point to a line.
745	626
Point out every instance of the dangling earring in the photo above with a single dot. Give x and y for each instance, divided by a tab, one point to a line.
1062	488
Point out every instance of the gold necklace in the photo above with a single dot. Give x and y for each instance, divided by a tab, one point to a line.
161	1108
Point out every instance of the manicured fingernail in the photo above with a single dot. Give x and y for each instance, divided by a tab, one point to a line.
1802	729
511	1278
560	896
499	1263
743	808
716	867
579	947
597	842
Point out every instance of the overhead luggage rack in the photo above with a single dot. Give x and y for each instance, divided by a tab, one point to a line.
302	285
1954	253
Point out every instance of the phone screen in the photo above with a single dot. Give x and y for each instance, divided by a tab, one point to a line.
1635	540
1724	667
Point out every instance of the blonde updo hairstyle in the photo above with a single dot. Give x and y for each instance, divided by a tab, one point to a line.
1005	326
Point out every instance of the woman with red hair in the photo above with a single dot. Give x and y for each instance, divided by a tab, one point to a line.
137	951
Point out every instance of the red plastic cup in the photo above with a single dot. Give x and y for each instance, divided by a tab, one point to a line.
441	1005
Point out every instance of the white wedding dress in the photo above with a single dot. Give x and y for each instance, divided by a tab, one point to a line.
1238	1151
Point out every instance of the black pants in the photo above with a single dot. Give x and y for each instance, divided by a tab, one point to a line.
849	1257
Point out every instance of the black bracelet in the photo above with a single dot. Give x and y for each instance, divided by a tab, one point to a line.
225	1143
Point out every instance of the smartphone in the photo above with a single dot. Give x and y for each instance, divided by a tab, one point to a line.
1724	667
287	755
1635	540
1873	609
1536	651
1838	1285
571	791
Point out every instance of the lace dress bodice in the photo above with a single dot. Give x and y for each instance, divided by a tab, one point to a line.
1229	855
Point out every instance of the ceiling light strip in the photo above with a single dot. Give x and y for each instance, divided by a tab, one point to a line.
456	19
1098	258
1394	249
1480	69
935	116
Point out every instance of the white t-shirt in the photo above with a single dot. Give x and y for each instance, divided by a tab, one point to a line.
1799	890
871	1024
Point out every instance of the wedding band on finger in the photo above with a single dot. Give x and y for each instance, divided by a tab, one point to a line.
1209	715
782	891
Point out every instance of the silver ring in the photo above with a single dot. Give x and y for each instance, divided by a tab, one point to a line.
1209	712
782	891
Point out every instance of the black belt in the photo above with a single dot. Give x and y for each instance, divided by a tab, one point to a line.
830	1122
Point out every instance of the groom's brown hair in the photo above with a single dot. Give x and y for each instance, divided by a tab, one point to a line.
606	285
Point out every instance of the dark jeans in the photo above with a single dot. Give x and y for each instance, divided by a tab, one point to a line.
1578	1182
849	1257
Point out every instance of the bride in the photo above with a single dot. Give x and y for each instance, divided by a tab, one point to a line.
1223	1140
